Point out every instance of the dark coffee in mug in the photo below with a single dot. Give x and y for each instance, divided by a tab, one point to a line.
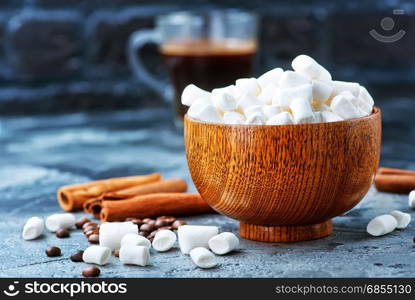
207	64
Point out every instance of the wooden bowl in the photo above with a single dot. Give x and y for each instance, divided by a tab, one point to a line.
284	182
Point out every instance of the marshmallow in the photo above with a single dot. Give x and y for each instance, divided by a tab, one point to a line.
402	218
60	221
321	90
381	225
364	101
284	97
271	110
267	94
33	228
270	77
164	240
203	258
411	199
343	86
209	114
323	107
302	111
192	236
255	119
318	117
365	96
246	101
134	255
135	240
196	107
248	85
233	117
254	109
307	66
283	118
111	233
191	93
223	101
324	75
343	106
328	116
291	79
96	255
223	243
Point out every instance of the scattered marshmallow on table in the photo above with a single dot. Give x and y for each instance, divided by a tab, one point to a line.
382	225
223	243
135	240
111	233
403	219
192	236
134	255
411	199
96	255
33	228
203	258
60	221
254	101
164	240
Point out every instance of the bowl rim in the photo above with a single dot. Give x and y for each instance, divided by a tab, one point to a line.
375	112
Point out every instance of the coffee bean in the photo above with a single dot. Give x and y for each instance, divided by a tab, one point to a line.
178	223
137	221
160	223
89	229
53	251
77	256
167	219
90	223
62	233
91	271
129	219
147	227
142	233
81	222
165	228
151	235
146	220
116	252
93	238
93	231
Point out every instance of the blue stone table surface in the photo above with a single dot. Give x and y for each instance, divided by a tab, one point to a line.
40	153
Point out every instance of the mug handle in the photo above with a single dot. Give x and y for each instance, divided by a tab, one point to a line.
135	43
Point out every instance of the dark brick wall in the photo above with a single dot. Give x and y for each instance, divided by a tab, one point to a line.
70	54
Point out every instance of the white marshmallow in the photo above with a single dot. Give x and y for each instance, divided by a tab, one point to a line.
164	240
271	110
321	90
96	255
343	106
191	93
381	225
60	221
209	114
223	243
196	107
33	228
271	77
246	101
192	236
268	93
248	85
302	111
254	109
111	233
134	255
223	101
135	240
291	79
411	199
324	75
365	96
329	116
283	118
203	258
255	119
364	101
284	97
233	117
318	117
402	218
307	66
343	86
323	107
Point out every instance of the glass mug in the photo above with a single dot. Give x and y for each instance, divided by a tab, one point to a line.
210	50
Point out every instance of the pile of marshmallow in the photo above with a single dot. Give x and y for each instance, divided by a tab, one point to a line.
133	248
306	95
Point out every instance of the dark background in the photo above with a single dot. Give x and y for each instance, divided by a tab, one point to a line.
69	55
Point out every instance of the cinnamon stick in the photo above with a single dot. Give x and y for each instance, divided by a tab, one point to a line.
394	171
392	183
72	197
163	186
153	205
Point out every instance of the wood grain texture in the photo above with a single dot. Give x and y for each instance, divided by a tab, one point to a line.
283	175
